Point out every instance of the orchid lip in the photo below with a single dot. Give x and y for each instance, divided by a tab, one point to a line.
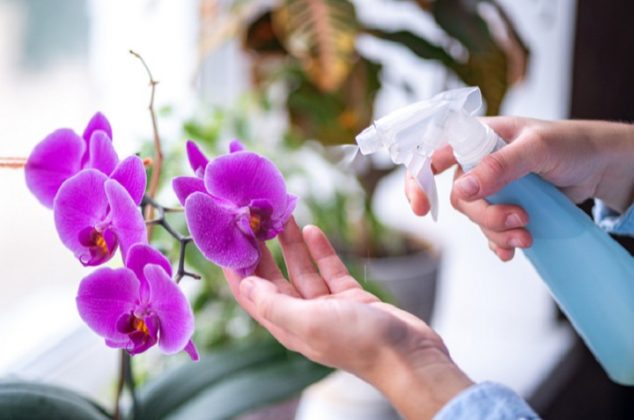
100	245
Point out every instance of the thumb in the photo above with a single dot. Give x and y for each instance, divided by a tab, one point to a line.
495	171
256	289
269	304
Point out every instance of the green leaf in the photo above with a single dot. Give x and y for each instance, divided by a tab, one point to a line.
337	117
321	34
261	38
176	387
34	401
253	388
487	65
417	45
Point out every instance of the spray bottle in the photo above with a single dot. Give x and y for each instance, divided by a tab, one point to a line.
588	273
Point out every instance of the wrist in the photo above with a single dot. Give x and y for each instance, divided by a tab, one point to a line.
421	382
615	143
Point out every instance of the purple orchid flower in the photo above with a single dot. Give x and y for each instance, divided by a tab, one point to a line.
95	214
135	307
237	200
63	153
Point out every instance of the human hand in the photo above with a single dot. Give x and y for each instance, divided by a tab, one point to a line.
584	159
326	315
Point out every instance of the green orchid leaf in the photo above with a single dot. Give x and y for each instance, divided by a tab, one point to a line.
253	388
177	387
35	401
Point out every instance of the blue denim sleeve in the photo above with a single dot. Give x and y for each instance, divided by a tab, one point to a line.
486	401
611	221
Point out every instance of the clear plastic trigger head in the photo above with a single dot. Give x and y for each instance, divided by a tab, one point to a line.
422	173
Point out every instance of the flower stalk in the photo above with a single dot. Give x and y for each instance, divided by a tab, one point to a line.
182	239
12	162
158	152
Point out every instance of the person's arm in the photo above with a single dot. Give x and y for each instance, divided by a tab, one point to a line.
585	159
323	313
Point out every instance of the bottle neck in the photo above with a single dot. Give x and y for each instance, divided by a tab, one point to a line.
484	142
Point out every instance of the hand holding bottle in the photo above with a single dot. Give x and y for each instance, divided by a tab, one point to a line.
583	158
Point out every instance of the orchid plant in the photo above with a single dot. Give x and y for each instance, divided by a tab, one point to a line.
233	202
99	202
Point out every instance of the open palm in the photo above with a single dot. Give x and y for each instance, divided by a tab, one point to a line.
323	312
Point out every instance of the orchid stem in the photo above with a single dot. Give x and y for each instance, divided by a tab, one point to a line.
129	380
120	383
182	239
12	162
158	153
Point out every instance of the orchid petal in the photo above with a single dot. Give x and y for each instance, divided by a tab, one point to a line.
291	202
127	220
184	186
101	155
53	161
172	308
214	230
241	177
131	174
191	349
236	146
247	271
141	255
103	297
97	122
80	203
197	159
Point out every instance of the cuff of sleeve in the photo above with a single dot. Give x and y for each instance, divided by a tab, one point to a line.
486	400
611	221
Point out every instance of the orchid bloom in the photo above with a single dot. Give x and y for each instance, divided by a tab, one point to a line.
135	307
94	214
235	201
63	153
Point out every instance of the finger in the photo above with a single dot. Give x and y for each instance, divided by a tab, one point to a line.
504	254
508	128
301	270
500	168
417	198
332	269
495	217
513	238
268	269
442	159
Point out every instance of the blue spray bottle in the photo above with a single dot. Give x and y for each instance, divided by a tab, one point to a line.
588	273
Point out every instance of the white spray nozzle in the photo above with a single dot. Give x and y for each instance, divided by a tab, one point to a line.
412	134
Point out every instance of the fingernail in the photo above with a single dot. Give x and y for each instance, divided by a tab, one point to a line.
246	288
516	243
467	186
513	221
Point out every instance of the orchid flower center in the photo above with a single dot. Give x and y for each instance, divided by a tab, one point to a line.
255	222
141	330
139	325
100	245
